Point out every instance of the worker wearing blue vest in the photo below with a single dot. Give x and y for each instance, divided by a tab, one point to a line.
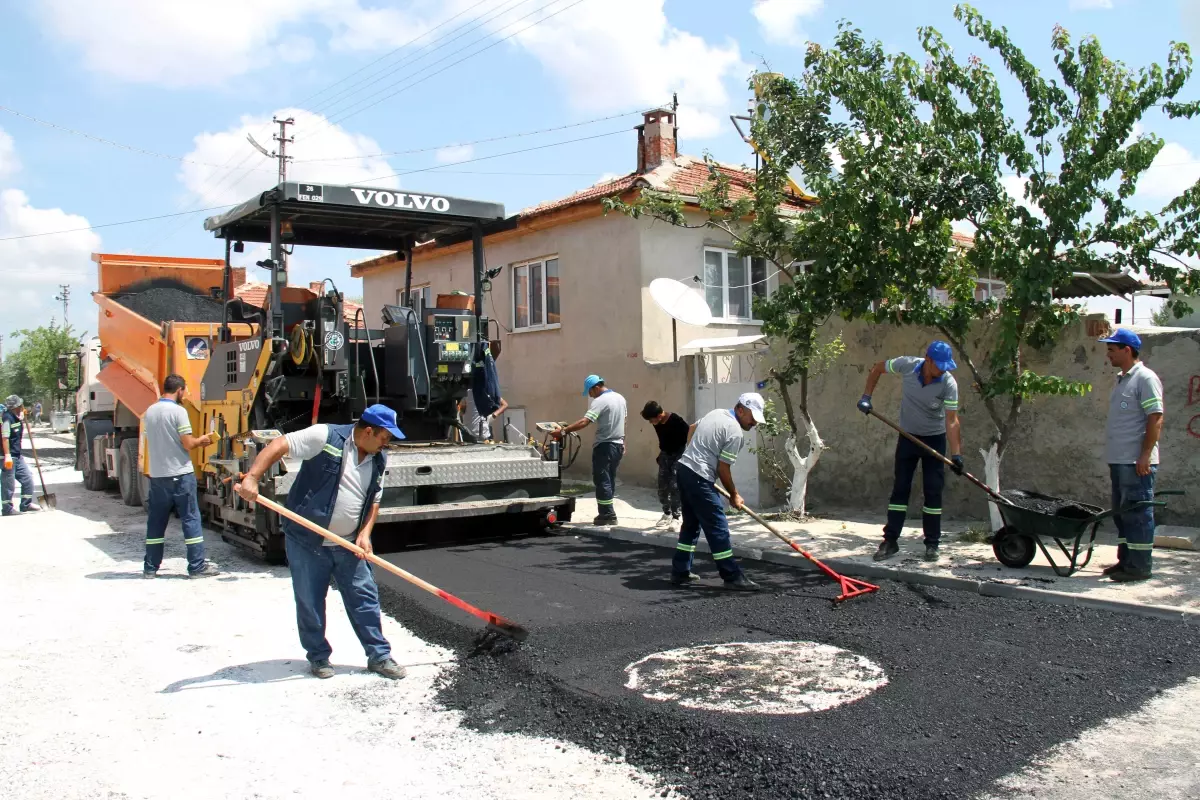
15	469
339	487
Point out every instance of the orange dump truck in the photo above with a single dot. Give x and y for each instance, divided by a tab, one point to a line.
158	316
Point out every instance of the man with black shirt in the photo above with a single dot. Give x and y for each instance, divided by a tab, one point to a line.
672	432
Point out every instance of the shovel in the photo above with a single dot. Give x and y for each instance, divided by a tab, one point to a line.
48	499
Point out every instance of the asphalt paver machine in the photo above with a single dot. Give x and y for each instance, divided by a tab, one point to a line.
306	363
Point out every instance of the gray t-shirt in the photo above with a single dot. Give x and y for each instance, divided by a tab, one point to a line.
163	423
718	437
607	413
352	487
923	406
1138	394
479	425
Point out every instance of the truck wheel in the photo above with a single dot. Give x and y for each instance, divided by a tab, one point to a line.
127	473
93	479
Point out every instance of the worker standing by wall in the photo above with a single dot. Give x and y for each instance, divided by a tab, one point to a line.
15	469
339	488
607	410
672	431
928	411
168	432
480	425
1135	420
716	441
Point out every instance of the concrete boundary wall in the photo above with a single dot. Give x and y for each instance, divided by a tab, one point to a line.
1057	446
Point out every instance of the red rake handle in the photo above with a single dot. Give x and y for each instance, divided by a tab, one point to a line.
851	587
487	616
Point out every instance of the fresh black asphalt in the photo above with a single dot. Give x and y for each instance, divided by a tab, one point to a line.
978	686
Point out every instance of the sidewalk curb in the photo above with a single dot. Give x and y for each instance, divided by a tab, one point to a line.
852	568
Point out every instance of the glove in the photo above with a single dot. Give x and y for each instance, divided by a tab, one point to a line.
956	464
8	462
864	404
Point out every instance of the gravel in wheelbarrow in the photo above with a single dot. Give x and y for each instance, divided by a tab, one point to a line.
1045	504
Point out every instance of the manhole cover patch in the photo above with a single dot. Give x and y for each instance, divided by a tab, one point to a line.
756	677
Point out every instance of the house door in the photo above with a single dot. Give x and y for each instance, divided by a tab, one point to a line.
720	379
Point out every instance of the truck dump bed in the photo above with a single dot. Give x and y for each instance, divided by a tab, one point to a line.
158	315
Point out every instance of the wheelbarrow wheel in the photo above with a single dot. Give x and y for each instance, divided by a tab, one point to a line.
1013	549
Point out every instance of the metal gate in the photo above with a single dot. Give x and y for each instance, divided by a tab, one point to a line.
720	379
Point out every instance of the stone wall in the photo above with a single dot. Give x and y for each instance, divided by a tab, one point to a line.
1056	448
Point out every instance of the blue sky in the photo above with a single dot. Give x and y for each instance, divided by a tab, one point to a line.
188	79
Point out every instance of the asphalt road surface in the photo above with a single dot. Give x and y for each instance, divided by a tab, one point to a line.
976	688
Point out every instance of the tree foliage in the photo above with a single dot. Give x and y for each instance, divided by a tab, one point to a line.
32	371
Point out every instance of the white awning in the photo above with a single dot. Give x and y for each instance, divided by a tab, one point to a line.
727	344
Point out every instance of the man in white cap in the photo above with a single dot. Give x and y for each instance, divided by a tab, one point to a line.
607	411
714	444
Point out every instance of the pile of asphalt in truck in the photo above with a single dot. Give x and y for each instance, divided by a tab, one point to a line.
162	303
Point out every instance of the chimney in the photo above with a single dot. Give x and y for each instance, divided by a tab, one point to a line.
656	140
315	287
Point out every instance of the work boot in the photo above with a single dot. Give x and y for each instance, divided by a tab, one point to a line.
931	552
664	521
321	668
684	579
149	574
1125	576
31	507
388	668
207	571
1110	569
10	512
886	550
605	519
742	584
675	524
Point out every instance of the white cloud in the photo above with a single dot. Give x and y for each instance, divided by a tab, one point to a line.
779	20
9	163
206	42
455	154
1089	5
619	54
39	264
1015	185
1173	171
315	139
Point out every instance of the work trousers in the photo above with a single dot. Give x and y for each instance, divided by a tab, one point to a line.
1135	529
18	474
177	493
668	486
312	568
933	476
704	510
606	457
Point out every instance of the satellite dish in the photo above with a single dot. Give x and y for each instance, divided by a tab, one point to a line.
680	301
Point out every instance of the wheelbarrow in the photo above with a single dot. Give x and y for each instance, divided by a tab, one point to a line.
1026	530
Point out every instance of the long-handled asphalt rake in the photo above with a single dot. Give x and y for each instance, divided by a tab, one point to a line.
851	587
49	499
495	622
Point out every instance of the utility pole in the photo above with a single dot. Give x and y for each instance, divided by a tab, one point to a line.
64	296
284	140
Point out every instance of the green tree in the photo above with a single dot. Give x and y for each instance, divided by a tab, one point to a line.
926	149
34	366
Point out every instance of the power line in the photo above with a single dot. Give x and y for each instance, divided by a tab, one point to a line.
113	224
498	155
405	88
472	143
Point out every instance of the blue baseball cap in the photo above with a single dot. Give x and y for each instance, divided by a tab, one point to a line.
942	356
380	416
1124	336
589	383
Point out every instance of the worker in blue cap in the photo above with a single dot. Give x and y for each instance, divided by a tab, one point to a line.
1135	420
607	412
928	411
339	487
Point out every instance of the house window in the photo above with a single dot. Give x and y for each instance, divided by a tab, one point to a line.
988	289
732	282
536	295
422	299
